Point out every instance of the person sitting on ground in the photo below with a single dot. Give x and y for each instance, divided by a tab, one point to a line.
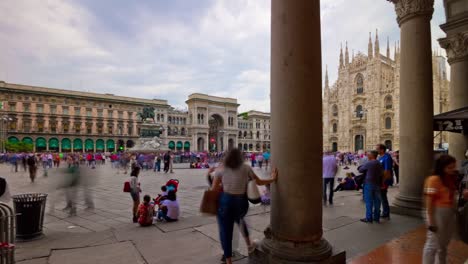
146	212
347	184
161	197
169	209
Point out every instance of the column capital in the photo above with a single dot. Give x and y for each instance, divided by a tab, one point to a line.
456	46
406	9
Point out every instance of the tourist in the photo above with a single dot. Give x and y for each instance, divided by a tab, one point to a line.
347	184
396	165
439	191
171	163
253	159
24	161
14	161
135	190
167	160
260	160
266	157
233	176
32	165
373	173
49	159
329	171
387	163
169	209
146	212
157	163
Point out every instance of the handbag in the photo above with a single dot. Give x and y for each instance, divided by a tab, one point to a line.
253	194
209	202
126	187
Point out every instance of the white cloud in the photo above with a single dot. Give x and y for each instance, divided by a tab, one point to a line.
223	50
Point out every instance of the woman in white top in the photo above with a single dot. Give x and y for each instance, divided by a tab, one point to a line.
233	203
135	191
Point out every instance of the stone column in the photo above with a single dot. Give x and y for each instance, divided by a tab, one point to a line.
456	45
416	101
295	234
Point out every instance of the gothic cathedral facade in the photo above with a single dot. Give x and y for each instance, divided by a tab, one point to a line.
361	109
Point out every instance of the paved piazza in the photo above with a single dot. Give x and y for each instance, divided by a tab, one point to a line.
106	235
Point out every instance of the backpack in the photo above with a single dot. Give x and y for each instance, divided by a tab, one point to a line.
126	187
31	161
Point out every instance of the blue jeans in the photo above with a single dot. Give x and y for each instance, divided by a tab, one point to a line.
385	205
232	209
330	181
372	199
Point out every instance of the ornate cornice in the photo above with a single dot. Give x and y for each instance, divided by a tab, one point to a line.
406	9
456	46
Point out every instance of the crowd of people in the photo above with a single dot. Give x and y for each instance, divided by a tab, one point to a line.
379	170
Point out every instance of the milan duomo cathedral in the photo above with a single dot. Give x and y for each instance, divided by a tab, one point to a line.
361	109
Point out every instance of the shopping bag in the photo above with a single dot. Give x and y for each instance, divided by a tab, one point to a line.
126	187
209	202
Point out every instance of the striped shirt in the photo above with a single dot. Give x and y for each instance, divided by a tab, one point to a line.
235	180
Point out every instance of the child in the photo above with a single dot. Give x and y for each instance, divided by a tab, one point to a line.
146	212
169	208
161	197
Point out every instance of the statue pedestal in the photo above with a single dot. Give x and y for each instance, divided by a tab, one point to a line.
149	140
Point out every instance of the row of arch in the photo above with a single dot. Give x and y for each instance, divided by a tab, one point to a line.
179	145
388	104
359	144
250	147
387	124
77	144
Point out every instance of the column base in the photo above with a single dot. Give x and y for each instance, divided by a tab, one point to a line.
405	205
276	251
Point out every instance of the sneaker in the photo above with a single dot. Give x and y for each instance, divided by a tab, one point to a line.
365	220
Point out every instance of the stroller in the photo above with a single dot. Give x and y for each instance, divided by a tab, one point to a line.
172	184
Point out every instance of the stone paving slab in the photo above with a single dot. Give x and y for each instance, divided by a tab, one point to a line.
117	253
180	247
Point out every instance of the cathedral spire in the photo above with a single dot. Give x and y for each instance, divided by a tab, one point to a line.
341	56
377	46
352	55
369	48
346	54
388	47
395	52
326	77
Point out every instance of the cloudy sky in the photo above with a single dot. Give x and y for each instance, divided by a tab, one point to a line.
170	49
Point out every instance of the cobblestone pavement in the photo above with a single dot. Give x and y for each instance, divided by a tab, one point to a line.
106	234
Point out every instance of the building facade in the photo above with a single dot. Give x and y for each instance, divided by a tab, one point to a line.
361	109
254	131
72	121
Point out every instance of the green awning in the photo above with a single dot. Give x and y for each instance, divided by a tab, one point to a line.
89	144
99	144
171	144
13	140
66	143
41	142
28	140
53	143
187	145
110	144
179	144
77	144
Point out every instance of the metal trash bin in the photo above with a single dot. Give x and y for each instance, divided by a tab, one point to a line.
29	210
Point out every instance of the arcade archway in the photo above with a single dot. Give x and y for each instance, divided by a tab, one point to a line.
215	134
